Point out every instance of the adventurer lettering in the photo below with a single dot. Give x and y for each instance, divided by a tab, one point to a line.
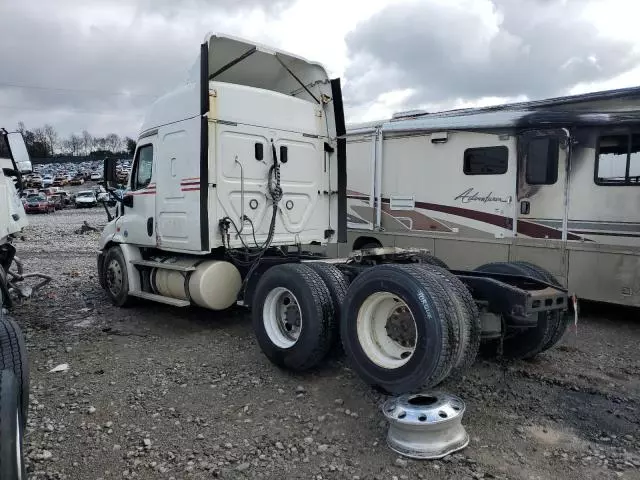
470	196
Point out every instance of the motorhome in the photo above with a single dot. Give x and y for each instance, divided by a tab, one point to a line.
554	182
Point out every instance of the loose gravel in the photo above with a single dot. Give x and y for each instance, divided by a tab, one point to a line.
154	392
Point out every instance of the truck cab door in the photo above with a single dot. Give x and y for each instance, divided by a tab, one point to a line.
137	222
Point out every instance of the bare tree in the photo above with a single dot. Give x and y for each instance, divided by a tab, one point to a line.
51	137
76	143
87	142
21	128
113	143
99	143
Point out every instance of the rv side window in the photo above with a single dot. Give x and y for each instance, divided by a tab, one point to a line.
143	167
618	160
542	161
486	160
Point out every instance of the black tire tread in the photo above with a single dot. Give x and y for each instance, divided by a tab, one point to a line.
430	259
13	356
126	300
468	317
450	335
9	402
337	285
324	313
434	300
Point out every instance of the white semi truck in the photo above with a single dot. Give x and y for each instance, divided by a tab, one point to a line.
239	174
14	366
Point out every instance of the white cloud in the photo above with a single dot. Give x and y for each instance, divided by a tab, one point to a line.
143	48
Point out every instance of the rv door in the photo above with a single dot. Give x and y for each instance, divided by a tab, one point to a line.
543	161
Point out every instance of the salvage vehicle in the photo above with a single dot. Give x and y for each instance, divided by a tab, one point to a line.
14	365
86	199
239	174
555	182
78	179
56	199
38	203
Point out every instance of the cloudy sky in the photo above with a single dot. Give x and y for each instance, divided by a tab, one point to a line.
96	65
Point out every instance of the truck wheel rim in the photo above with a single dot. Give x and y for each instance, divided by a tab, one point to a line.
386	330
114	277
282	317
18	449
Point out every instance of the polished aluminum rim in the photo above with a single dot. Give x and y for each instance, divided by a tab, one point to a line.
425	425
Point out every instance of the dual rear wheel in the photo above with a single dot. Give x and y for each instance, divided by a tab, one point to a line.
402	327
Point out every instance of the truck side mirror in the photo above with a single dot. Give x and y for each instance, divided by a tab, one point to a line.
127	201
110	176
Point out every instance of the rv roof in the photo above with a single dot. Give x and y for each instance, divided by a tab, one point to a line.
608	107
570	102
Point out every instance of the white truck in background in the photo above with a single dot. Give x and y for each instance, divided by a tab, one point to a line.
14	161
238	174
14	366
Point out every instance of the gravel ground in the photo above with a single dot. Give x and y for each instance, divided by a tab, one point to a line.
156	392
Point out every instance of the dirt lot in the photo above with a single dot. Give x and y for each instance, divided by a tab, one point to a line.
155	392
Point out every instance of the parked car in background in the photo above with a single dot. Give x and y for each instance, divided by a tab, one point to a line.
78	179
86	198
56	199
66	198
38	203
101	193
96	176
36	181
60	181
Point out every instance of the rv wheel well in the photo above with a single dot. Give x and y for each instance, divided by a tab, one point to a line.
366	242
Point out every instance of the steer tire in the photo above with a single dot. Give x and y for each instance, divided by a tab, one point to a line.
316	317
435	343
11	428
119	297
528	343
13	357
468	318
338	285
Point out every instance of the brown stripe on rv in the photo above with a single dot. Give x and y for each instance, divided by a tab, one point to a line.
525	227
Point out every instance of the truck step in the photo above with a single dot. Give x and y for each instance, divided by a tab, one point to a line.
161	299
165	266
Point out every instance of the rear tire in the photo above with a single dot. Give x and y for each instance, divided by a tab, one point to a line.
115	277
337	285
402	357
11	429
468	318
13	357
551	325
429	259
292	315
